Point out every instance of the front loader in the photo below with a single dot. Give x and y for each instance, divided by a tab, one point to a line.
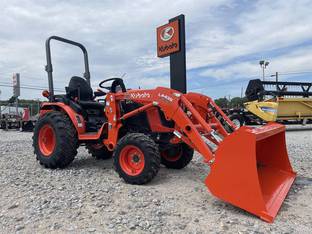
140	129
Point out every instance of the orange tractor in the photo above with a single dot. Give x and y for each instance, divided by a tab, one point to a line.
141	129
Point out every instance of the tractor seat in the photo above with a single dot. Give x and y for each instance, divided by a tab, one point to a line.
79	89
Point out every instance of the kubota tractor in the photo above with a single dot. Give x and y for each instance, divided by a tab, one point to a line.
140	129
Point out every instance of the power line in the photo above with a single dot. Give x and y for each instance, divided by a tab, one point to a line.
27	77
1	85
28	87
295	73
32	86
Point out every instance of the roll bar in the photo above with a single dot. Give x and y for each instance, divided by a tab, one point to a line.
49	68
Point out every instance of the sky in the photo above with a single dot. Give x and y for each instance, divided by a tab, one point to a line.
225	39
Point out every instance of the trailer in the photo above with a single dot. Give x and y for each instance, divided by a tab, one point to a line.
279	101
18	118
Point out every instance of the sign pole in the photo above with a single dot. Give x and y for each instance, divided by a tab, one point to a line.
178	59
171	41
16	89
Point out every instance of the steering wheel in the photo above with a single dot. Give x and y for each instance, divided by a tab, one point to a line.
116	82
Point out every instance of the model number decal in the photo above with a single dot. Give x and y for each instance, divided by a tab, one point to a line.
166	97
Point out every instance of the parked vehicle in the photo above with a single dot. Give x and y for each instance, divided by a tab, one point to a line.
142	128
21	120
279	101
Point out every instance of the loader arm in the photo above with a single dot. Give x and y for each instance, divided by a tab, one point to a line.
250	167
197	118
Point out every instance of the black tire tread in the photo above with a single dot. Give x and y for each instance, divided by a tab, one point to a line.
66	148
146	143
183	161
238	117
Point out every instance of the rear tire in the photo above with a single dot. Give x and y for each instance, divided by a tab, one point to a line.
27	126
177	157
99	151
136	158
237	120
55	140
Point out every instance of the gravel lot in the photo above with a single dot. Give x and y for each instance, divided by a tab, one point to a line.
88	196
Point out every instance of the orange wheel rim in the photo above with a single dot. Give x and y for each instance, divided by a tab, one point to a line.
131	160
47	140
171	158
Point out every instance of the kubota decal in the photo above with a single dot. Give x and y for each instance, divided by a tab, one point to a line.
167	33
168	40
140	95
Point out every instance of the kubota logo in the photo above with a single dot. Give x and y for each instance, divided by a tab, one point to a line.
168	39
167	33
140	95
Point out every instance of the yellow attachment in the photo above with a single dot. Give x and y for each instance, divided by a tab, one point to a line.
281	109
266	110
294	108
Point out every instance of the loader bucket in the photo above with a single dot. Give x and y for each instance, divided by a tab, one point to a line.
252	170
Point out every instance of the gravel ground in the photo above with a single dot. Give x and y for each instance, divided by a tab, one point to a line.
88	196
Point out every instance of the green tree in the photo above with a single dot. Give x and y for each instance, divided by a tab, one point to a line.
237	102
12	99
222	102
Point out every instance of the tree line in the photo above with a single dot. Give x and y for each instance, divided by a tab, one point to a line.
33	105
235	102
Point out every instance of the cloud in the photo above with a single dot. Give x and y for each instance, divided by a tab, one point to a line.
264	27
225	39
295	60
233	71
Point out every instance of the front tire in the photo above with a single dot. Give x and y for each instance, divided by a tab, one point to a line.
136	158
177	157
55	140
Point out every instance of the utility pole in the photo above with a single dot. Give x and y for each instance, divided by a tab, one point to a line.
16	89
0	107
263	64
276	76
242	90
276	79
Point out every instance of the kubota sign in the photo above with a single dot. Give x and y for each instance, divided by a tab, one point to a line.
168	40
